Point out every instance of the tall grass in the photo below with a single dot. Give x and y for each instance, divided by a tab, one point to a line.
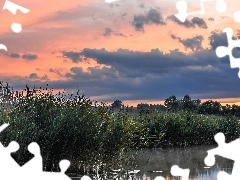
187	129
86	133
91	135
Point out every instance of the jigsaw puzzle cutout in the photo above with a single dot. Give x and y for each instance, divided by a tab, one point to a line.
177	171
15	27
32	169
227	150
182	8
236	16
12	7
223	51
35	166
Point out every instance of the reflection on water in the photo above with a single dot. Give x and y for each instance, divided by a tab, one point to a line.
158	162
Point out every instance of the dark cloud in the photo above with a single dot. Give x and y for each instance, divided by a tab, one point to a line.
134	64
139	22
189	24
211	19
29	56
152	17
134	75
108	32
14	55
141	75
55	71
194	43
218	39
236	52
174	37
45	78
200	22
120	34
33	76
74	56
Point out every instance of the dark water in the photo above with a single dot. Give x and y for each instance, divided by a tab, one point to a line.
158	162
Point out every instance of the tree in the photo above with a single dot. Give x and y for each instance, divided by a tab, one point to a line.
187	103
171	103
143	107
210	107
226	110
235	110
117	104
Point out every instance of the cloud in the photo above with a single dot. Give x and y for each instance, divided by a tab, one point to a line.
189	24
217	39
14	55
152	17
194	43
74	56
56	71
136	64
29	56
33	76
108	32
211	19
200	22
174	37
146	75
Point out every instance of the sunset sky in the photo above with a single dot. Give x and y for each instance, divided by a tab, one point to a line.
131	50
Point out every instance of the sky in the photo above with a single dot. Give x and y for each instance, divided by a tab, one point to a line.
135	51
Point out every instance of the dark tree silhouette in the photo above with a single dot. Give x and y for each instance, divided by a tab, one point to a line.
172	103
117	104
210	107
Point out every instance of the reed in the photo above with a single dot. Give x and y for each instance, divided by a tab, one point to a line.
93	136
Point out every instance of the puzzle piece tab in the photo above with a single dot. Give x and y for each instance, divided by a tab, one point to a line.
159	178
222	51
182	7
177	171
15	27
236	16
11	170
12	7
2	46
227	150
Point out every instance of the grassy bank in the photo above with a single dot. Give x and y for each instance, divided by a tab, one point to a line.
90	134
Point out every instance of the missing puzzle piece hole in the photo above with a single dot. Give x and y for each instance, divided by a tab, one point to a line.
209	160
64	165
16	27
13	146
221	51
236	16
159	178
86	178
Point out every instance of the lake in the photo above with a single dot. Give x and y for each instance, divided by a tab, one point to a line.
158	162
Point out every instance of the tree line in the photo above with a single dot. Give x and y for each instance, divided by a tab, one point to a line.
172	104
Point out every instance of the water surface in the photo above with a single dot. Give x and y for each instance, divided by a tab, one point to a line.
158	162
